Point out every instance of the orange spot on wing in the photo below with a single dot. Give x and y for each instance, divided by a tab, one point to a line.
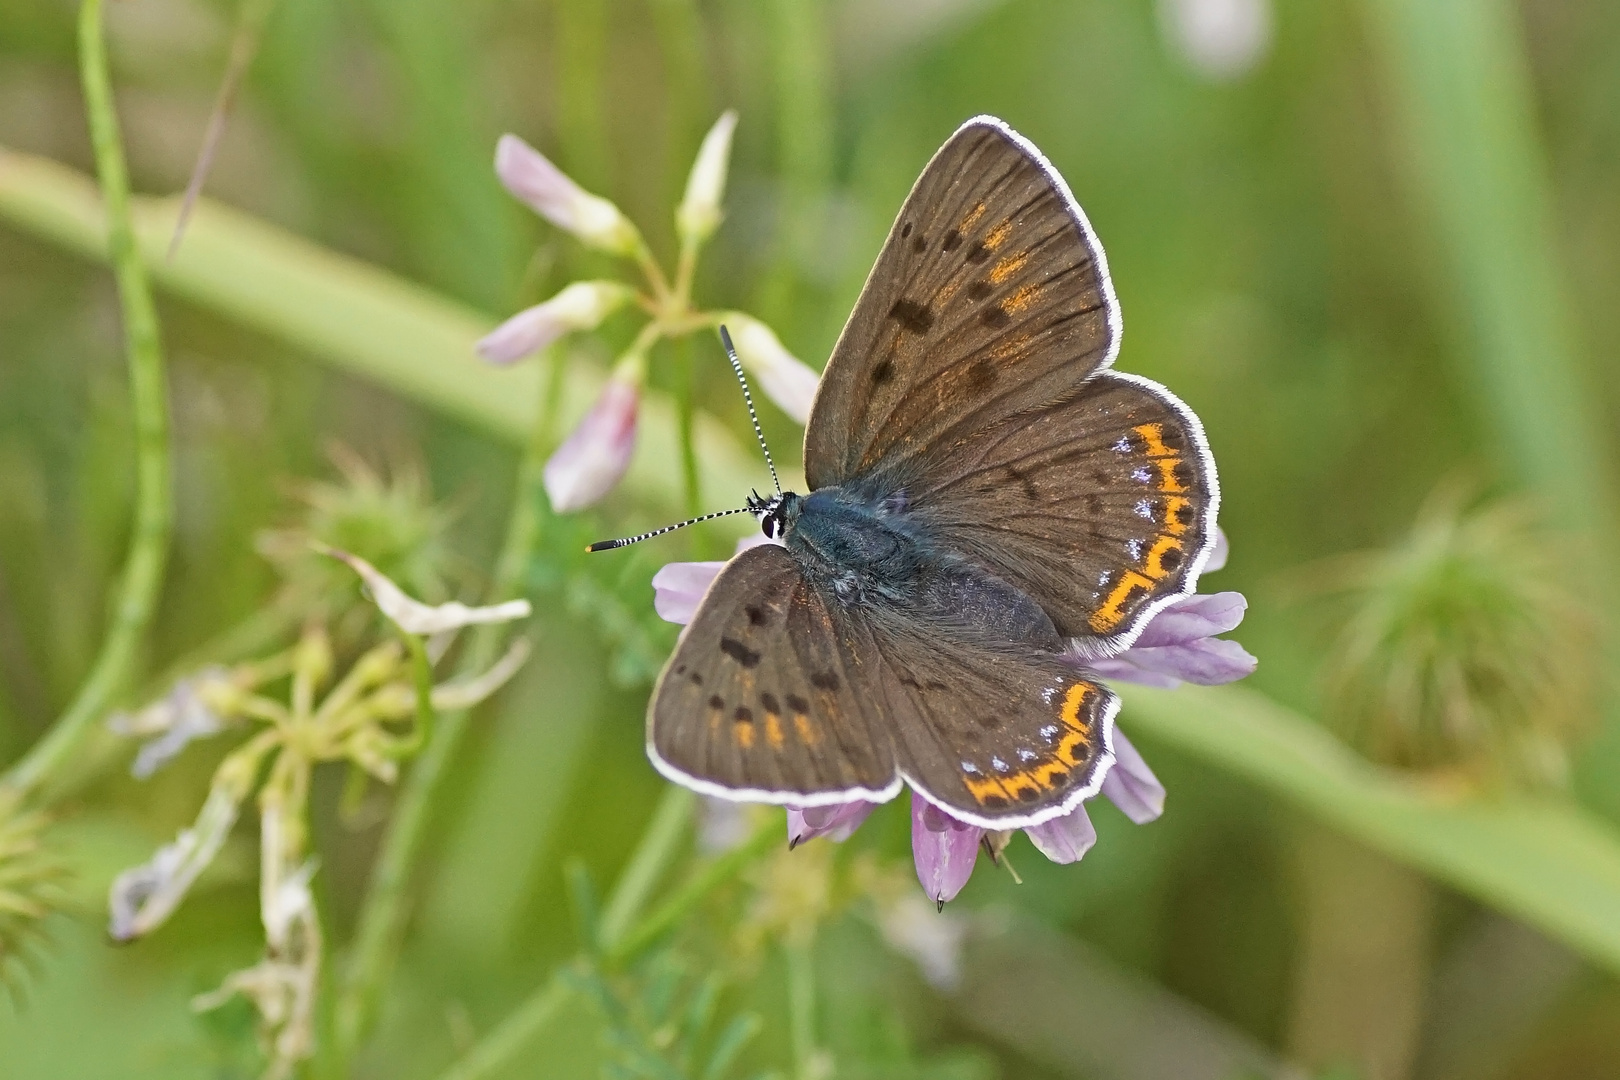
1167	474
998	235
972	217
806	730
773	730
743	733
1153	435
1007	267
1172	514
1153	565
1021	299
1112	613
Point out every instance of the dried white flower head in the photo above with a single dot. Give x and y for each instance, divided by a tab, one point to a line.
144	896
699	214
415	617
548	190
785	378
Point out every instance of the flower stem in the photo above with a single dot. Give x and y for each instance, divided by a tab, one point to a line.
381	924
142	578
801	975
685	392
649	861
512	1034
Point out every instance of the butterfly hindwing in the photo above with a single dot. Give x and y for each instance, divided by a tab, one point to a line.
1001	738
1101	507
990	297
769	693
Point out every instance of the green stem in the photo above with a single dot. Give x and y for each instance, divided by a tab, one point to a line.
382	919
801	974
497	1049
500	1046
688	896
422	676
648	863
142	579
685	391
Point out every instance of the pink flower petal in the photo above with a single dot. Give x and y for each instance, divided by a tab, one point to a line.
944	849
837	822
1131	785
679	586
1193	617
1065	839
595	456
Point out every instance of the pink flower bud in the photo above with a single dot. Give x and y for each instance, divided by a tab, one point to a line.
531	177
944	849
595	456
580	306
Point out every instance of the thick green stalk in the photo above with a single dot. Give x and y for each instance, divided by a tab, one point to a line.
382	919
142	579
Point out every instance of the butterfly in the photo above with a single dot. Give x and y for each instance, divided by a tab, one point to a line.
989	505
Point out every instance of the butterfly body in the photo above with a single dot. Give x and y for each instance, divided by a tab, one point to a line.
864	551
989	504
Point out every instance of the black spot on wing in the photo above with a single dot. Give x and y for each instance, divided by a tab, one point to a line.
883	372
798	704
953	240
915	317
739	652
978	253
756	615
824	680
979	289
995	317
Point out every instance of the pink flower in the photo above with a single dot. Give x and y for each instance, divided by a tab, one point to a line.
837	822
786	379
595	456
580	306
528	174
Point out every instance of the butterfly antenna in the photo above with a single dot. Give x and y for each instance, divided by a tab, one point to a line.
736	365
626	541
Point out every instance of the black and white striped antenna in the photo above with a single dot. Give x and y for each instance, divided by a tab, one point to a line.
736	365
756	504
626	541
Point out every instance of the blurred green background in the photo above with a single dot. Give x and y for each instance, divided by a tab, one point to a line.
1373	243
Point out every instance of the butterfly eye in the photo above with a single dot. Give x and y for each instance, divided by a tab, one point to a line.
767	525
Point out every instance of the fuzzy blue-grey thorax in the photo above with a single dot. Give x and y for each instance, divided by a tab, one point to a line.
867	551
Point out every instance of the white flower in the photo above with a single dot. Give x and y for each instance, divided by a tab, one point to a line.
785	378
699	213
531	177
593	459
580	306
415	617
1220	39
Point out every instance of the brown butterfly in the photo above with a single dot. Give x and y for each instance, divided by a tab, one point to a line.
990	505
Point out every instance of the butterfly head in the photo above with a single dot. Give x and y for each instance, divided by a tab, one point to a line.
775	512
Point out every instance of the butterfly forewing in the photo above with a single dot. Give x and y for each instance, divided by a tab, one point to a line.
1001	738
1099	507
989	298
769	694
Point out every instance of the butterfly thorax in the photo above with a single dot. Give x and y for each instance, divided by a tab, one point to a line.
865	552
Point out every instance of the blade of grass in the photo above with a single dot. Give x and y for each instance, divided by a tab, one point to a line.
360	319
1547	862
